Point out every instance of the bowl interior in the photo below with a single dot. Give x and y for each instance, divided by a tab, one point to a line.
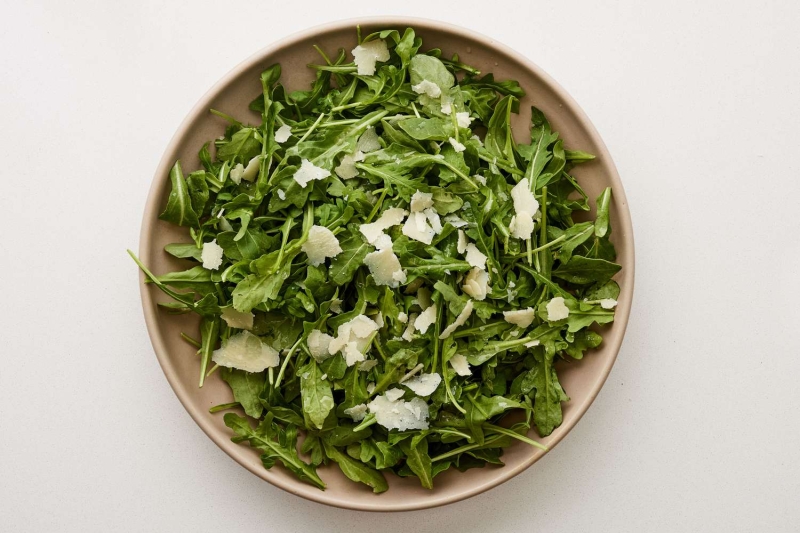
581	379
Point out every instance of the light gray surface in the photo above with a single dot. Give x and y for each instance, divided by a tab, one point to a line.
697	427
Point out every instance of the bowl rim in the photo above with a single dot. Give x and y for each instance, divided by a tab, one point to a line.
152	206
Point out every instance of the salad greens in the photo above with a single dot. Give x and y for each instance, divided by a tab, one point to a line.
380	267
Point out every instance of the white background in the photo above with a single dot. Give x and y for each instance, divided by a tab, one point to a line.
698	427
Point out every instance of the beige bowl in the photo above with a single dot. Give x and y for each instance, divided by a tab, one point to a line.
581	379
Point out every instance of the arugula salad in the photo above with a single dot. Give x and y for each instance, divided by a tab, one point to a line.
380	267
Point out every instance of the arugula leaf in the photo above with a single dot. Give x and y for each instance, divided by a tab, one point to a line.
356	470
179	208
275	444
246	387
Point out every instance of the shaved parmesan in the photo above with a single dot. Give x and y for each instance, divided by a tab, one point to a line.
459	321
251	170
367	54
446	104
385	268
321	243
531	344
308	172
402	317
462	242
427	87
475	257
417	228
526	207
408	334
556	309
460	365
237	319
318	343
352	339
391	217
357	412
283	133
521	225
383	242
399	414
347	166
211	255
281	194
366	366
520	317
394	394
236	173
246	352
424	384
368	142
463	119
457	146
433	220
425	319
455	221
608	303
420	201
476	284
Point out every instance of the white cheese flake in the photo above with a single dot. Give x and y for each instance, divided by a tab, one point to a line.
402	317
476	138
521	225
369	53
520	317
211	255
424	384
463	119
417	228
446	104
236	173
283	133
309	172
557	309
321	244
336	306
476	284
460	365
427	87
462	242
460	320
391	217
532	343
368	142
455	221
433	220
347	166
425	319
608	303
399	414
281	194
370	387
475	257
394	394
385	268
457	146
250	172
246	352
480	179
420	201
408	334
357	412
383	242
237	319
353	338
318	343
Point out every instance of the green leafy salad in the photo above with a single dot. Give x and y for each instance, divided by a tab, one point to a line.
380	267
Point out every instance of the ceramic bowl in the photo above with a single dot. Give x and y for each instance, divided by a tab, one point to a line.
581	379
